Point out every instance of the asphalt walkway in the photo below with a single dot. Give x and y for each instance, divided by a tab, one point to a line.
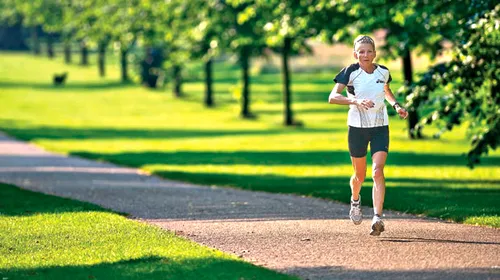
308	237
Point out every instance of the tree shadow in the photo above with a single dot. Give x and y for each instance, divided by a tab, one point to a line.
419	196
339	272
48	132
271	79
69	86
332	109
435	198
150	267
33	203
284	158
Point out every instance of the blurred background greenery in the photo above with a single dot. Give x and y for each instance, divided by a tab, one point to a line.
235	93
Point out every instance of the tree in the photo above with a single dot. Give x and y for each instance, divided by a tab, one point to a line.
161	35
50	16
287	30
90	19
31	20
244	36
471	78
76	24
291	24
206	25
123	21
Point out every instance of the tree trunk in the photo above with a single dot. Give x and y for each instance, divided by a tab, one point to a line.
124	64
50	46
84	54
101	60
209	102
177	90
287	95
245	94
413	113
35	41
67	53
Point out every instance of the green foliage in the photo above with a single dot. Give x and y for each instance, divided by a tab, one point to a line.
471	79
9	13
244	26
334	21
286	19
409	25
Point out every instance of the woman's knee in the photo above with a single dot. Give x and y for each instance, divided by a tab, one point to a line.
378	172
360	177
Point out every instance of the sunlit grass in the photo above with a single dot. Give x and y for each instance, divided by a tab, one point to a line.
181	139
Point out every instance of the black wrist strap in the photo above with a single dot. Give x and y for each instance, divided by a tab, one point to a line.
395	104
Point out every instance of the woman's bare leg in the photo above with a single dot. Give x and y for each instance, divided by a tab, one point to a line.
357	179
378	193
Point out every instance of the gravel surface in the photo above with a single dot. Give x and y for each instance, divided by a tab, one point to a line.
307	237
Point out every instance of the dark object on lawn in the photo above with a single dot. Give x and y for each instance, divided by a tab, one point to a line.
152	73
60	79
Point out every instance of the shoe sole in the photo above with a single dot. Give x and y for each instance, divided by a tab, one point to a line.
377	229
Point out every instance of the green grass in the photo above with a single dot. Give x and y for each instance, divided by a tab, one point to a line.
180	139
47	237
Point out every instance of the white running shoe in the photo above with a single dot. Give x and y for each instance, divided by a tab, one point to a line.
377	226
355	213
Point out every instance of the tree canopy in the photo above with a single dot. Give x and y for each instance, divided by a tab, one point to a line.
471	81
197	29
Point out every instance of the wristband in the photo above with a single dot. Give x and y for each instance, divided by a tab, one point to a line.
395	104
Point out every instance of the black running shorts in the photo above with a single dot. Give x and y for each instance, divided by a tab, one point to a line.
358	139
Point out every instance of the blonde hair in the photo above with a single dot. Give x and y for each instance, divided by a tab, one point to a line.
363	39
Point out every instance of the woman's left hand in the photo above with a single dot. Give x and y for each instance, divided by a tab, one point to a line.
402	112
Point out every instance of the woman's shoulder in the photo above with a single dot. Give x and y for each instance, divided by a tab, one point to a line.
344	75
351	68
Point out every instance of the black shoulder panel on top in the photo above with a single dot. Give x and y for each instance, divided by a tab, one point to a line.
345	73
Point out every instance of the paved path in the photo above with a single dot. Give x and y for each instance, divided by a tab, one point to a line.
311	238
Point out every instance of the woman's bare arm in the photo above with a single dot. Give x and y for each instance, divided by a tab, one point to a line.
336	97
389	96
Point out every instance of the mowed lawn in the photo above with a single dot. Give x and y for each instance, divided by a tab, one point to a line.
181	139
47	237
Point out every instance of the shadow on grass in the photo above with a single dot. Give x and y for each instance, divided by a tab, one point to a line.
48	132
33	203
322	158
269	95
418	196
339	272
331	109
299	96
151	267
69	86
270	79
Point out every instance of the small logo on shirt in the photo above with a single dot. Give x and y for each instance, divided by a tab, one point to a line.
379	81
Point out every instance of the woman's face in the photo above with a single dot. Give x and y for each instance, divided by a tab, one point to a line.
364	53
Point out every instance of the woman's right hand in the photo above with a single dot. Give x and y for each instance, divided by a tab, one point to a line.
365	103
